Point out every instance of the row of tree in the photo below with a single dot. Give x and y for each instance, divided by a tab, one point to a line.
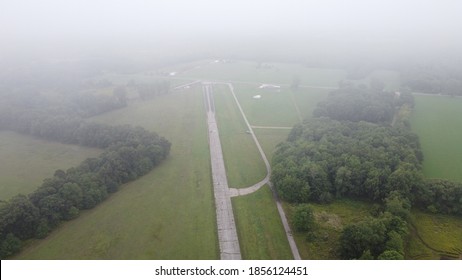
130	152
351	103
442	79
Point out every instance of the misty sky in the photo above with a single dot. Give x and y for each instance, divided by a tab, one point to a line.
51	24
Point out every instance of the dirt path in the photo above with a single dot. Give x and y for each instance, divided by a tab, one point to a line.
227	233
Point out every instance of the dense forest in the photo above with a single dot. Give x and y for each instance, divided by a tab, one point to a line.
129	152
359	145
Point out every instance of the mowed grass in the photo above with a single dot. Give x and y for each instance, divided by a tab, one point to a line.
243	162
167	214
25	161
274	108
438	122
278	108
323	242
270	138
439	232
260	231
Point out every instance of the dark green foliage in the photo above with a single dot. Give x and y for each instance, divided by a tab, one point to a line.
398	205
440	196
324	159
372	237
390	255
9	245
303	218
19	217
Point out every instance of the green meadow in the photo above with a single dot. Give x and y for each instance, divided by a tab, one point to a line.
243	162
260	231
25	161
167	214
433	236
437	121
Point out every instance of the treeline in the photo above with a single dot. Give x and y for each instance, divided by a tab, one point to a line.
92	104
84	104
61	197
148	91
347	153
350	103
130	152
436	79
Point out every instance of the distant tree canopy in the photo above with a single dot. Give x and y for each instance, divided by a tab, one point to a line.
444	78
148	91
358	104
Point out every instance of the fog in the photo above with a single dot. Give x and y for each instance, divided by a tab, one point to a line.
70	27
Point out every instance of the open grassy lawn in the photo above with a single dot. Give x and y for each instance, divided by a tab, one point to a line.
274	108
167	214
330	220
244	165
270	138
25	161
438	122
440	234
260	230
278	108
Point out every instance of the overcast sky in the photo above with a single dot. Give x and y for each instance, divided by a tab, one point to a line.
87	24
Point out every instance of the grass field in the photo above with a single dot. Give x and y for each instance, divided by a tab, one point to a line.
270	138
437	121
244	165
439	232
330	220
167	214
25	161
261	234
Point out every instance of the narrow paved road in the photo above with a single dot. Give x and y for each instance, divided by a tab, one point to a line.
227	234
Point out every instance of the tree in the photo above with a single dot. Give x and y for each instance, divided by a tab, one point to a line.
398	205
9	246
303	218
390	255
